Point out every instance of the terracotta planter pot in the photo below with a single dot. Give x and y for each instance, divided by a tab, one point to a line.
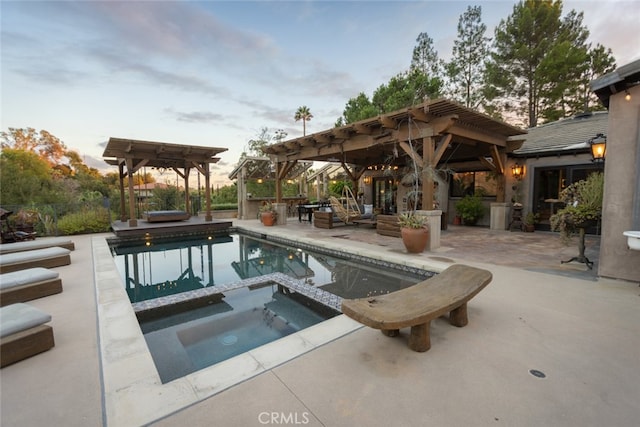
268	219
415	239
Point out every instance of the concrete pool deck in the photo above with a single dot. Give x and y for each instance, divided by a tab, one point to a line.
537	314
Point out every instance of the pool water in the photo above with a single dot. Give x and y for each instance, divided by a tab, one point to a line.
153	267
237	297
244	319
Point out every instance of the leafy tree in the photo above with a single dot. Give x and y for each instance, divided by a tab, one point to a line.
358	108
26	178
536	58
47	146
406	89
262	139
466	70
305	115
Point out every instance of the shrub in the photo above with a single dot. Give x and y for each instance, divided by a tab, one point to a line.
470	209
85	222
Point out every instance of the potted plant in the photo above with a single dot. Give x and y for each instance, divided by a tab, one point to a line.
268	214
530	221
414	231
470	209
583	206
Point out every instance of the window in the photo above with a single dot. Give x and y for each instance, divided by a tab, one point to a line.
469	183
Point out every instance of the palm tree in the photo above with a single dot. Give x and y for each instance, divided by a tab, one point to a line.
305	115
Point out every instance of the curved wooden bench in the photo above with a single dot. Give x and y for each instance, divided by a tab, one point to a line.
416	306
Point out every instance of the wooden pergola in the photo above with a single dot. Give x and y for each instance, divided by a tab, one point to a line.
435	134
130	155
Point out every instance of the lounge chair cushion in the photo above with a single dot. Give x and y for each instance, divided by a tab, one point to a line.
29	245
47	257
25	277
20	317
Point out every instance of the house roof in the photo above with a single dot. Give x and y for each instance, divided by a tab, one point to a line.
617	81
568	135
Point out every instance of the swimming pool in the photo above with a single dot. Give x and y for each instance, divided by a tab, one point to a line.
128	370
202	299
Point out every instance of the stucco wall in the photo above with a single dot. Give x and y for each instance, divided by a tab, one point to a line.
621	169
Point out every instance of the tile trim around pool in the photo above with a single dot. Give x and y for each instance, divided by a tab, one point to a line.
132	391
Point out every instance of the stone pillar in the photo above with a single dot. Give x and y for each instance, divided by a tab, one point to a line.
433	219
499	216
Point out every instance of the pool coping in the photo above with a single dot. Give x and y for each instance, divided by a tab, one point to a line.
132	390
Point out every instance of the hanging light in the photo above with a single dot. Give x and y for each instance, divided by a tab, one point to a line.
598	148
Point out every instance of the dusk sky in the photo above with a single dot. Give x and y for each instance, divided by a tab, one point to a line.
214	73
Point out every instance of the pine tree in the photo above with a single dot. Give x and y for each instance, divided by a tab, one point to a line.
466	69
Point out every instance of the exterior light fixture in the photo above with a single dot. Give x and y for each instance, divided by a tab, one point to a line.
367	180
518	171
598	148
260	181
627	95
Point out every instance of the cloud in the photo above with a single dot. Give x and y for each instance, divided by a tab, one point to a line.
196	116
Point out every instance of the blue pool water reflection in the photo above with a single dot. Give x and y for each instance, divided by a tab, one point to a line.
155	267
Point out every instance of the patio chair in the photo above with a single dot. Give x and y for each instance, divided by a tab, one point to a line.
29	284
23	333
347	214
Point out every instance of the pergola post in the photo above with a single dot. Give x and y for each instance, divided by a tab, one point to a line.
123	206
133	221
187	198
428	149
207	180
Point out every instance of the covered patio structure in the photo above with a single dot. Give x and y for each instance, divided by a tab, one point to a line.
429	138
131	155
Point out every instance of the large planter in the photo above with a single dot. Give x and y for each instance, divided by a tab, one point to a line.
415	239
268	218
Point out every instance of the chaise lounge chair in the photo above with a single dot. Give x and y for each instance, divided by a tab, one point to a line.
23	333
47	258
46	242
29	284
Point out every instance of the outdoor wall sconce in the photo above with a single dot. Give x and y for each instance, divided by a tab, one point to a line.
260	181
598	148
627	95
518	171
367	180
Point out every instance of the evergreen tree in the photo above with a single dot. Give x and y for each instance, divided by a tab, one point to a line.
537	58
466	69
425	57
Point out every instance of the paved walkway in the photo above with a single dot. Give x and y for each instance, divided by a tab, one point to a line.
536	315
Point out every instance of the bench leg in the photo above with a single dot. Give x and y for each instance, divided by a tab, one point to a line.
390	332
458	316
420	340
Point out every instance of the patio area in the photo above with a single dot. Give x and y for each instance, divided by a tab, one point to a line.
537	315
